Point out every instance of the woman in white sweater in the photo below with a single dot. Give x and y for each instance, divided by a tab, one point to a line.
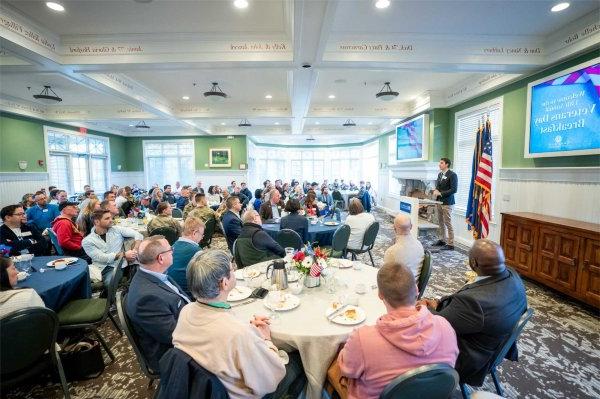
12	299
239	353
359	221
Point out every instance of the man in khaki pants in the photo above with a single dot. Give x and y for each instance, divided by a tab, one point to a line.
445	188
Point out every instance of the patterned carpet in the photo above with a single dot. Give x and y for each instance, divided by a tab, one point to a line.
560	347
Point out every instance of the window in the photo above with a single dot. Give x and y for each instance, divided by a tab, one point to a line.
466	125
75	160
166	162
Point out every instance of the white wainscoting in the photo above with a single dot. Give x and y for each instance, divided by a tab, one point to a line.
14	184
222	178
127	178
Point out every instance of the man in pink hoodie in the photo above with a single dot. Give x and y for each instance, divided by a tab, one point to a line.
407	337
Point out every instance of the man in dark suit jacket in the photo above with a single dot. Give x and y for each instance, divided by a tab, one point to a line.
267	211
445	188
20	237
154	300
232	223
484	312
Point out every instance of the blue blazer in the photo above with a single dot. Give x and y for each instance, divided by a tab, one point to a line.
232	225
153	309
183	252
296	222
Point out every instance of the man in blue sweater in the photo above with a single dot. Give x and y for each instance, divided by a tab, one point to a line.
42	214
184	249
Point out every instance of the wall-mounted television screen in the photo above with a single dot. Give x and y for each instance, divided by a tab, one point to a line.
411	139
563	113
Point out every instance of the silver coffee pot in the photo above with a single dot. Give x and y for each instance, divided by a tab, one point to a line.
278	274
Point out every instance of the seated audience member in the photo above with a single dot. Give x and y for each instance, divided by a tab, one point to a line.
27	201
294	220
68	235
11	297
84	219
325	197
232	222
407	250
260	246
244	359
272	207
406	337
372	194
285	191
213	198
245	190
484	312
157	198
52	196
359	221
364	196
121	198
223	207
257	195
343	186
202	211
198	188
168	194
310	204
21	237
104	245
184	249
111	206
42	214
109	196
243	199
232	186
87	194
183	199
125	201
297	193
154	300
164	218
191	205
59	196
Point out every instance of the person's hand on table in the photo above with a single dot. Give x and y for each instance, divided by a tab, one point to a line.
262	324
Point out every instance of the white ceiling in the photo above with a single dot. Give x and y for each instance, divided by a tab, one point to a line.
115	63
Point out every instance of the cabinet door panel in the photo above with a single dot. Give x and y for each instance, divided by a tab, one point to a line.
558	258
589	277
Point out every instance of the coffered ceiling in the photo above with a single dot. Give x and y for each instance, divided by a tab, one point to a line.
293	68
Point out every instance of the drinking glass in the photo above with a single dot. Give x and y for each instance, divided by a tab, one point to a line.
273	298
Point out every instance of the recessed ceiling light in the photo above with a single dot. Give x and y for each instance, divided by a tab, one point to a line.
277	123
185	98
317	123
331	96
268	96
131	125
222	123
370	123
55	6
382	4
560	7
240	3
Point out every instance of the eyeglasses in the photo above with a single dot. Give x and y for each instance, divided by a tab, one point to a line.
164	252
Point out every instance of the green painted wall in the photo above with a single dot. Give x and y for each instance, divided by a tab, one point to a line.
513	122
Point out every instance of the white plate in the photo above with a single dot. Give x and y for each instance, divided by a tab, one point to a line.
331	223
250	273
345	317
239	275
239	293
67	261
287	302
341	263
22	276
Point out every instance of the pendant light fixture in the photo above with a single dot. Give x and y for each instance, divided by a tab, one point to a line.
386	93
349	123
142	125
244	123
47	96
215	93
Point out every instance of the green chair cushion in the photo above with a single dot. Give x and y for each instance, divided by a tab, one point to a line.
333	254
82	311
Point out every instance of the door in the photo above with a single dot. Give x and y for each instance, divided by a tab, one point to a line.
589	276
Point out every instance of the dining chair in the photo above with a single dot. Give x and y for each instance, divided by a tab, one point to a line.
176	213
368	242
433	381
209	231
54	240
28	346
425	273
289	238
339	242
170	234
88	314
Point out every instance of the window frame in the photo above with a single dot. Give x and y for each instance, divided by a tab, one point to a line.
163	142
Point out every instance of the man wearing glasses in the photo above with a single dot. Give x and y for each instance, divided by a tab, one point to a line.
19	236
154	299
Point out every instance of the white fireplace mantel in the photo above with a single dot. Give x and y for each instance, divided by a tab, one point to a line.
424	171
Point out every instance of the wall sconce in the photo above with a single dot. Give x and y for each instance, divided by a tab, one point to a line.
22	165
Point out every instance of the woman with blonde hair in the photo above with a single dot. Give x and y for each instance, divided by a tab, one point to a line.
157	198
84	219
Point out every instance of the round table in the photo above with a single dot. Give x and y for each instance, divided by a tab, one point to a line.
316	232
306	328
57	287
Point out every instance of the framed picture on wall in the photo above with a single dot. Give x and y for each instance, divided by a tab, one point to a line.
219	157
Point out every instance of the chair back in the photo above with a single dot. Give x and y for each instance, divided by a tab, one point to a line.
132	336
337	196
340	239
425	273
169	233
26	336
512	338
370	236
209	231
236	255
434	381
54	239
176	213
245	254
289	238
117	275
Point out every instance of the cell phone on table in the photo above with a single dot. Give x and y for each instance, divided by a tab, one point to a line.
259	293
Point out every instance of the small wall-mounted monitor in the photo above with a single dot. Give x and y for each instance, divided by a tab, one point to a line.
412	137
563	113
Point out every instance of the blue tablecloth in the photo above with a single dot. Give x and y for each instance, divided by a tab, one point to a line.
57	287
316	232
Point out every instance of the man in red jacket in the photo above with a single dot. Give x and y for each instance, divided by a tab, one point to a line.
69	237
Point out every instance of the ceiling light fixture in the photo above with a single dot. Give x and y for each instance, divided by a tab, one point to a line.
560	7
215	93
310	138
386	93
47	96
142	125
268	96
185	98
240	4
331	96
349	123
381	4
55	6
244	123
277	123
317	123
222	123
370	123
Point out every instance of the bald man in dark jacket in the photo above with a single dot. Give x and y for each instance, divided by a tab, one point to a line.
484	312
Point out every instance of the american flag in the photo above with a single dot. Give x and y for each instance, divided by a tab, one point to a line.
480	202
315	269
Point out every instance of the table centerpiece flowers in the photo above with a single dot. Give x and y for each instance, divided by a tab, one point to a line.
310	262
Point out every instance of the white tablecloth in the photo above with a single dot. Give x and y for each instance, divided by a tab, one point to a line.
307	329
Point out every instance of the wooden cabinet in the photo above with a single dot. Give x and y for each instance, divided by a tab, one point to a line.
563	254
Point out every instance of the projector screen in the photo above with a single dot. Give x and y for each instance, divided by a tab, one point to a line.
563	113
411	139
